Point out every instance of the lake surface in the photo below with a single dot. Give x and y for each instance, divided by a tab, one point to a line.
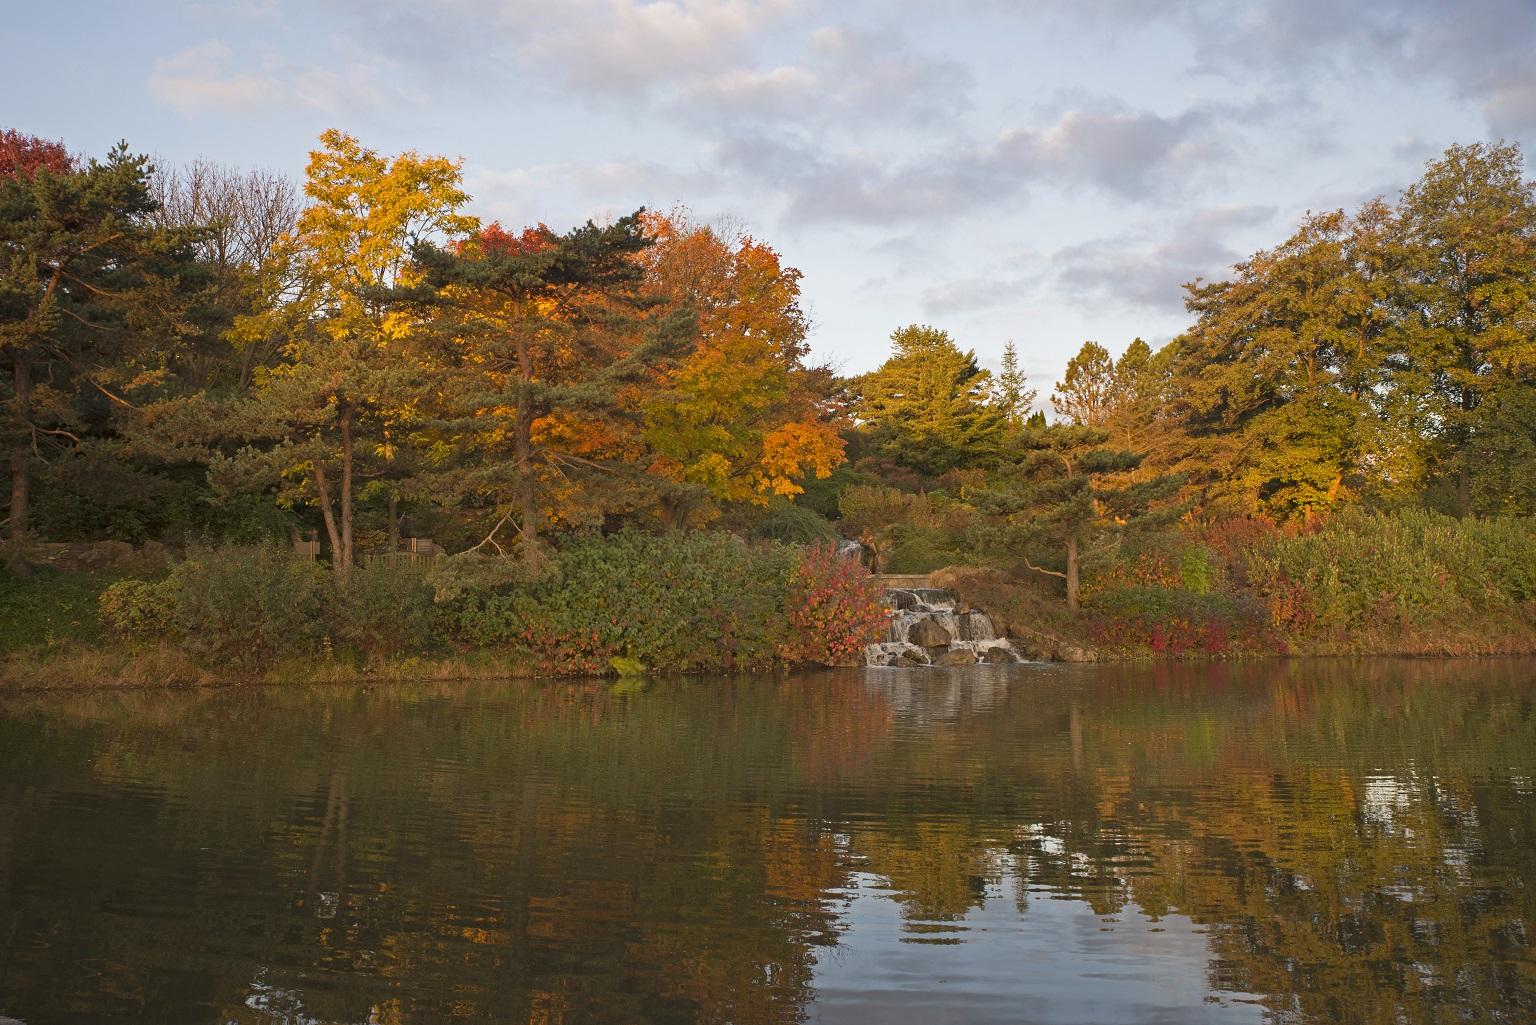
1293	842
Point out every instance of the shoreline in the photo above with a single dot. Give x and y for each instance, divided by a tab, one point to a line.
83	670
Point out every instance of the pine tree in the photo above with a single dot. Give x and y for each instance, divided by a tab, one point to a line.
1014	398
1085	395
1065	486
88	283
929	406
546	372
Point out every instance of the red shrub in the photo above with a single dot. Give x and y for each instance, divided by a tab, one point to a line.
834	609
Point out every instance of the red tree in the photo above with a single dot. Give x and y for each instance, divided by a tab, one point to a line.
22	156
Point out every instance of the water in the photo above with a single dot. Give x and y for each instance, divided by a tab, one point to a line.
1291	843
929	627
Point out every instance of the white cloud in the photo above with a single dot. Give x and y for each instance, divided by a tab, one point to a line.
210	78
199	80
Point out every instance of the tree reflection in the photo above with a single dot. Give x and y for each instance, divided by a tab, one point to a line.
1356	838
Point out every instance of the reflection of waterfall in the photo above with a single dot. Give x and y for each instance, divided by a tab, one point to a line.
929	628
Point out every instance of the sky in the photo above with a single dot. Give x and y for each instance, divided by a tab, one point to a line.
1048	172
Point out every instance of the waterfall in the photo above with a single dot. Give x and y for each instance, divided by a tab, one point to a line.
929	628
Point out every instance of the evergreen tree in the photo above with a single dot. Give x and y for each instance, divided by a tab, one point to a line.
1065	486
929	406
1014	398
89	282
546	373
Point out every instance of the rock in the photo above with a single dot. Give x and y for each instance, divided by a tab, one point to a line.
928	633
956	657
976	626
1072	653
998	656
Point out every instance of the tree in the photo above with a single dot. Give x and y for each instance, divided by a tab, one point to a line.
240	217
743	418
343	390
1085	394
1065	486
929	406
1283	381
87	278
1467	236
1013	396
547	362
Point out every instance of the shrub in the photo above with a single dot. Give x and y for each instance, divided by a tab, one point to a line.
677	602
246	606
138	609
1168	621
835	609
1410	568
792	524
385	610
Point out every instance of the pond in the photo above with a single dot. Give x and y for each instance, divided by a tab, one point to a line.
1296	842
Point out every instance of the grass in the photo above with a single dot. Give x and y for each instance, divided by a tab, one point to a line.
76	666
50	609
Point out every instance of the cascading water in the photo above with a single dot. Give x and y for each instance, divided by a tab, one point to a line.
928	628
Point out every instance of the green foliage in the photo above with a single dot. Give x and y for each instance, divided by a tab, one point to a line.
386	609
1364	571
49	608
1014	398
139	609
677	602
246	606
1066	485
922	550
791	523
929	406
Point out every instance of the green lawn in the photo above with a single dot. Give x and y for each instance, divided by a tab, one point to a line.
49	608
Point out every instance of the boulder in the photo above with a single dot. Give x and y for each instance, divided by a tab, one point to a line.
956	657
998	656
929	633
1072	653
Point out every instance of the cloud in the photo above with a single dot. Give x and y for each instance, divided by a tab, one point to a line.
199	80
208	79
966	295
1482	47
619	46
604	50
1129	154
852	79
1148	269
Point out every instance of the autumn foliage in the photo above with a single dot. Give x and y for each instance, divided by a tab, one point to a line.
835	609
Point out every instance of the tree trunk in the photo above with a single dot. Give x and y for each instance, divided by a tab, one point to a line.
393	512
1072	577
346	490
329	516
21	460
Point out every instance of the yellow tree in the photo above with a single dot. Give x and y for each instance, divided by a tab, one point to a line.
346	383
745	418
